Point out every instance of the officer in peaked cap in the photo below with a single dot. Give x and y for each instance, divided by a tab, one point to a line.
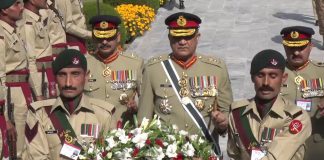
78	117
304	85
203	81
115	75
267	112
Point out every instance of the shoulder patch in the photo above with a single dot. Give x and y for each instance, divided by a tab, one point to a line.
29	23
157	59
210	60
39	104
103	104
239	104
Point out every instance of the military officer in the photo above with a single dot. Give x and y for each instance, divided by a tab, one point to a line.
33	31
115	75
268	126
14	73
58	128
74	21
304	85
182	84
320	14
4	148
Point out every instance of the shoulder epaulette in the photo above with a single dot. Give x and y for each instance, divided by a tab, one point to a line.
211	60
157	59
130	55
39	104
239	104
103	104
316	63
292	110
29	23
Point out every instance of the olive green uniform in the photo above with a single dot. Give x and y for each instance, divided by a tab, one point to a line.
283	144
293	92
158	95
43	143
107	87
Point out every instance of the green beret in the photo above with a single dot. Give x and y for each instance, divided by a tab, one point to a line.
6	3
267	59
69	58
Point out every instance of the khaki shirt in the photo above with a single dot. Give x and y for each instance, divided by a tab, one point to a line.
74	19
34	33
55	29
105	88
284	145
43	144
293	92
158	94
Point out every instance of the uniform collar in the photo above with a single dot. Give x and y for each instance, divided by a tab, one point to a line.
84	103
185	65
278	107
110	58
33	15
7	26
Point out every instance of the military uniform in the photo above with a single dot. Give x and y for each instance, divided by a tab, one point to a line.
275	133
34	32
320	14
204	76
43	139
14	74
122	81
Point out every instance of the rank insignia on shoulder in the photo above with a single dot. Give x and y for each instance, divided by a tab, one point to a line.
295	126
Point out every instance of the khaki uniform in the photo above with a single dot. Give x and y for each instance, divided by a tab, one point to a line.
34	33
44	144
13	57
107	88
320	15
158	94
55	29
283	145
73	17
293	92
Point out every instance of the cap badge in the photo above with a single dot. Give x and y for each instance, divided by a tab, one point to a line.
104	25
274	62
181	21
294	34
75	60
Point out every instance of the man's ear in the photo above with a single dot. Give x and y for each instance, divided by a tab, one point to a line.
118	37
284	78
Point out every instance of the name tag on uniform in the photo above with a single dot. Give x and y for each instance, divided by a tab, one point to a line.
257	154
304	104
70	151
51	132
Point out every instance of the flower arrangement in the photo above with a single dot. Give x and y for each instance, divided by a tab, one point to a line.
151	140
136	18
163	2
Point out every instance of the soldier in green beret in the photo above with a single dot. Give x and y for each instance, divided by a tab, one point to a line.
59	128
268	126
184	88
115	75
305	86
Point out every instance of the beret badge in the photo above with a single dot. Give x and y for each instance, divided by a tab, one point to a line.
294	34
75	60
104	25
274	62
181	21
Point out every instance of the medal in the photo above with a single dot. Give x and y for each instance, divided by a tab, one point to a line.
200	104
106	72
210	108
123	98
184	92
164	106
298	79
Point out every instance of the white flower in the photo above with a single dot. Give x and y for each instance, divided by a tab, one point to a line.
155	154
158	123
165	143
144	123
174	127
201	140
140	139
125	154
188	150
193	137
111	143
183	133
136	131
171	151
122	136
99	157
91	148
160	153
171	138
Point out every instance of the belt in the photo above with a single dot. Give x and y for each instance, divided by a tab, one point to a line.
16	78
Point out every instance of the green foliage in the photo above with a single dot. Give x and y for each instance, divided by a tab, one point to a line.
155	4
90	10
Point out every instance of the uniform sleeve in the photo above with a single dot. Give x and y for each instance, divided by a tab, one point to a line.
36	141
28	36
140	77
65	7
225	96
287	145
2	61
232	150
146	101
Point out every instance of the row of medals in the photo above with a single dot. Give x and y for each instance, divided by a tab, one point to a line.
308	92
120	85
211	91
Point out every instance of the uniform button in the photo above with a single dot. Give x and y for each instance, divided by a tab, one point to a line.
107	96
187	125
90	89
199	57
107	81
